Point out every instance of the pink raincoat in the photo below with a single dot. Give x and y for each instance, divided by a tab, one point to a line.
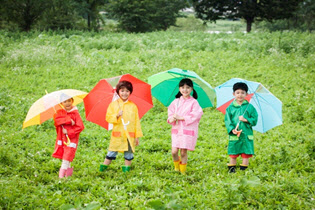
185	132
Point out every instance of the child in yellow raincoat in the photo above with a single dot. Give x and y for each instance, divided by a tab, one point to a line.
123	114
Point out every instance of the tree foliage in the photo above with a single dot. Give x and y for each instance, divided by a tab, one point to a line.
24	13
145	15
250	10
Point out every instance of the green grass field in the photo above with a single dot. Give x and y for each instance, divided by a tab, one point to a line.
280	175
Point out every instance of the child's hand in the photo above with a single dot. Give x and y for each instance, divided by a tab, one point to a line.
241	118
177	117
234	131
72	122
64	131
120	113
137	141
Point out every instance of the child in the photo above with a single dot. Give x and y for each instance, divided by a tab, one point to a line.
123	114
184	114
240	117
68	125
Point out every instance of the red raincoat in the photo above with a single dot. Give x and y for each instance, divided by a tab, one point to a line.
63	118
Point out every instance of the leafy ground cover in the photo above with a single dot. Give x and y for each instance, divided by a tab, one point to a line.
280	176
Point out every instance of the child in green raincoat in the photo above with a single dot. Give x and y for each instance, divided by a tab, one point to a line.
240	117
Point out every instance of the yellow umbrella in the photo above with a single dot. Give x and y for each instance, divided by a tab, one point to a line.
45	107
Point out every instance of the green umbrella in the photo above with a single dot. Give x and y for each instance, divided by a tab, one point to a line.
165	86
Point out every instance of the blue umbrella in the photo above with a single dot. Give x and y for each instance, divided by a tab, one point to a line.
268	107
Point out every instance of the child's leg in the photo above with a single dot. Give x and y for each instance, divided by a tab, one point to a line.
175	158
184	156
109	157
245	162
128	158
175	154
232	161
69	171
183	162
232	164
63	169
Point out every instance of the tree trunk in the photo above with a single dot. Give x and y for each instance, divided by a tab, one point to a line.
89	21
249	22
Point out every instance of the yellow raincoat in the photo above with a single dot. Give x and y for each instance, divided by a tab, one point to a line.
118	141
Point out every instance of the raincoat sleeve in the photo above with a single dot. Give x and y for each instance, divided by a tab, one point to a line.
228	121
111	114
77	127
61	118
194	115
171	112
138	131
252	116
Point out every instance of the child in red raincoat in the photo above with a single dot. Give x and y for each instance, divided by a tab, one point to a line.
68	125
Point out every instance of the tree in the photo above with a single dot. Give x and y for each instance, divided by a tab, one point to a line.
89	9
60	14
145	15
250	10
25	13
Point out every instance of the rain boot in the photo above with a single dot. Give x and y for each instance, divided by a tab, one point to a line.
69	172
62	172
103	167
125	169
176	165
182	168
243	167
231	168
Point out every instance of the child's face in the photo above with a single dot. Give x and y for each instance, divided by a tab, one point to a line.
124	93
185	90
67	104
240	95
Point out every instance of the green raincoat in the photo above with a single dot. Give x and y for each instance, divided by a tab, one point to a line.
244	143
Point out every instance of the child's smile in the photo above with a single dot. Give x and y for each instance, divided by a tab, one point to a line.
240	96
124	93
67	104
185	91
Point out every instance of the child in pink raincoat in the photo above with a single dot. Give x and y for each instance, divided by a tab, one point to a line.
184	114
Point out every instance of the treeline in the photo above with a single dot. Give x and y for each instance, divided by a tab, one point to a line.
147	15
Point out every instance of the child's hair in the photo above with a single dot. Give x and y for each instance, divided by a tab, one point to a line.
240	85
64	97
189	83
125	84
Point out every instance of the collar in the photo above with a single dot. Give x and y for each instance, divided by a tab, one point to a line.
237	105
73	108
121	101
185	99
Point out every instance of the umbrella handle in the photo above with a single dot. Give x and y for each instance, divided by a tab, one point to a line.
68	140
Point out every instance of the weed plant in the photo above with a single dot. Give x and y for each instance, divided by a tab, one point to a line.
280	175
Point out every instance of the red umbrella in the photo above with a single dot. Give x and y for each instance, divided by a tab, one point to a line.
97	101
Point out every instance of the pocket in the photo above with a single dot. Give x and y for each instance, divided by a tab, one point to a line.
250	137
132	134
116	134
188	132
233	138
174	131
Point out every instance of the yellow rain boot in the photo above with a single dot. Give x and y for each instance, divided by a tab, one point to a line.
176	165
182	168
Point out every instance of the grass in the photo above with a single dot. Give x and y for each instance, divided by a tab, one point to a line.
280	176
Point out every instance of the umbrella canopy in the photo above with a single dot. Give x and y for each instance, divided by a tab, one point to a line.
268	107
165	86
45	107
99	98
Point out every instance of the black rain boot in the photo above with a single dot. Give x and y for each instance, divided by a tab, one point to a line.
243	167
231	168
